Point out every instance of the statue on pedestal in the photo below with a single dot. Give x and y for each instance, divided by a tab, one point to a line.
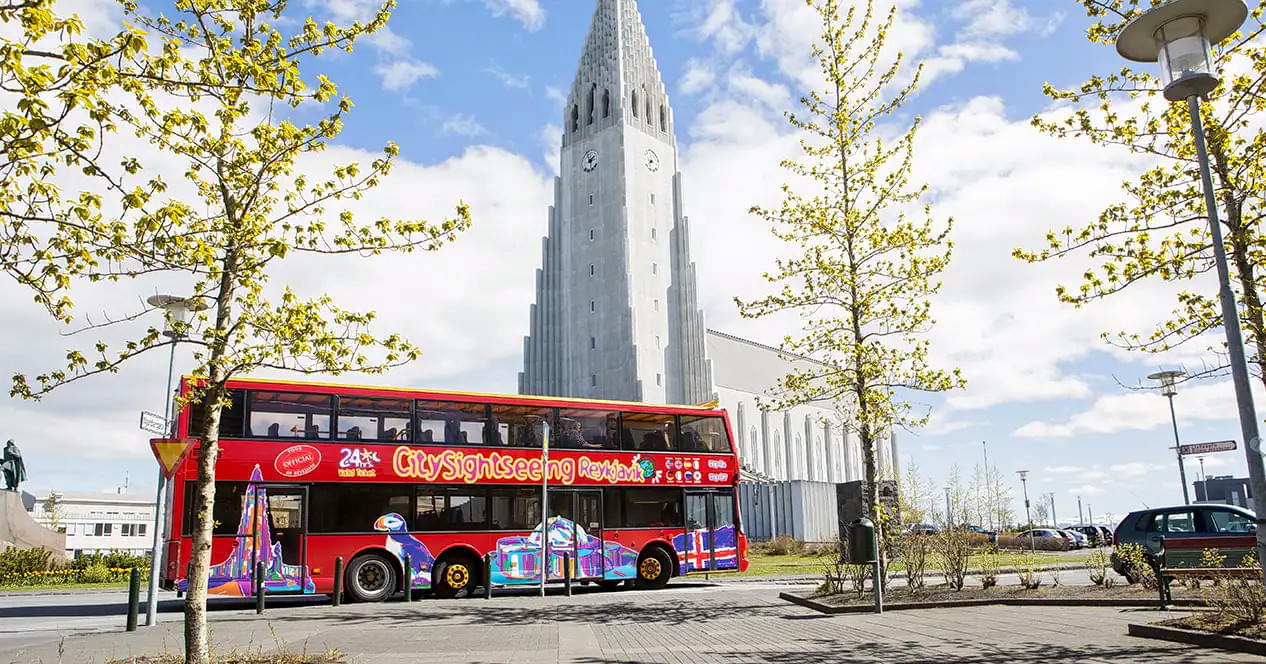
14	469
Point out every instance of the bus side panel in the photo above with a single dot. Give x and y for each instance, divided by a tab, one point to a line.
633	542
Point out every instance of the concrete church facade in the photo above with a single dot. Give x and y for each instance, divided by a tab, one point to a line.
616	313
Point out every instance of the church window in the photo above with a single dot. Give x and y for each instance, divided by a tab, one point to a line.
593	306
656	305
648	110
593	380
593	343
589	108
652	234
575	117
663	118
592	270
657	341
591	199
634	103
606	103
591	235
659	380
652	199
654	268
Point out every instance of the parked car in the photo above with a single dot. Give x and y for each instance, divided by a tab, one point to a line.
1093	533
992	535
922	529
1075	539
1107	535
1040	533
1147	528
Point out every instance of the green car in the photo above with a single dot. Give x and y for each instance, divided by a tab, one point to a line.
1148	528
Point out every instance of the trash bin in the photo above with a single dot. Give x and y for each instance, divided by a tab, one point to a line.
861	542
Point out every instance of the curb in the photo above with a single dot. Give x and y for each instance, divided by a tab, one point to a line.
1001	601
899	575
1192	637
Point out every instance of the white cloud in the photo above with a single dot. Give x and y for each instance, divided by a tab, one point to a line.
774	95
1141	411
549	138
697	77
530	13
463	125
556	95
1087	490
952	58
401	74
989	18
720	22
507	79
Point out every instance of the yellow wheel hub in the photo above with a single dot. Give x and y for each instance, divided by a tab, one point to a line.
457	576
651	569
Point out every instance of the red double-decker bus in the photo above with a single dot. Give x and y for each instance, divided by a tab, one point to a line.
310	472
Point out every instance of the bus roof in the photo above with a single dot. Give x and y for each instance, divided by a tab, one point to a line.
281	382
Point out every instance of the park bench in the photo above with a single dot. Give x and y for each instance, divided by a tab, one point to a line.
1183	558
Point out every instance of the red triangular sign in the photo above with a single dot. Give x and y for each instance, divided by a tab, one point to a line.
170	452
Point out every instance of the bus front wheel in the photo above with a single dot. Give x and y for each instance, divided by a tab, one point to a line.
455	577
371	578
653	569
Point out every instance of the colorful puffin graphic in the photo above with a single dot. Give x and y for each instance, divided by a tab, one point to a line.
517	560
401	543
233	576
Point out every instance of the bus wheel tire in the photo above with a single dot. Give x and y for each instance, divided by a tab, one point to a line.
610	584
371	578
653	569
455	577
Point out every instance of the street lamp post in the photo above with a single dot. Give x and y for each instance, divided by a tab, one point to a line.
1169	387
1024	475
988	496
177	310
1081	521
949	511
1054	521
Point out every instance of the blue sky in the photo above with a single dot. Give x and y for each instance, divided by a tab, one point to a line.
470	90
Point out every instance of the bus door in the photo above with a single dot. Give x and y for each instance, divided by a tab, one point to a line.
711	536
280	538
575	530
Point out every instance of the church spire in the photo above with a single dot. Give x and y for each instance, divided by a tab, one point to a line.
618	78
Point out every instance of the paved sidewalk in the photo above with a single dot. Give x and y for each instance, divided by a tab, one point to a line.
688	622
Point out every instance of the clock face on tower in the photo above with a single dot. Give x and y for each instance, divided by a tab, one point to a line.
591	161
652	160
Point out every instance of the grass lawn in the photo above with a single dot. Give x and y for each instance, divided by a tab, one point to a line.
766	565
108	585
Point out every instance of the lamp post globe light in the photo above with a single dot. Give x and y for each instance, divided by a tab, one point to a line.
1180	35
177	310
1169	387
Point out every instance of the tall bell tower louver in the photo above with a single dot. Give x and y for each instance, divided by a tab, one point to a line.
616	316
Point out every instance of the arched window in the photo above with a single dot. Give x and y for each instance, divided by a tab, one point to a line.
589	109
575	117
663	118
606	103
648	110
634	103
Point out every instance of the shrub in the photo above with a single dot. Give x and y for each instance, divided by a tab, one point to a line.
954	547
1236	598
1039	543
95	574
1097	565
913	549
784	545
989	568
22	561
1030	579
1136	565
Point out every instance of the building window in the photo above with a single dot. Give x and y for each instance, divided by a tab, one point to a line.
659	379
591	199
593	342
663	118
593	306
575	117
657	305
591	235
634	103
653	234
589	108
652	199
606	103
592	270
654	268
593	380
657	341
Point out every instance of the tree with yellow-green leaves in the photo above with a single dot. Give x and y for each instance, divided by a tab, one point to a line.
1158	231
868	254
217	91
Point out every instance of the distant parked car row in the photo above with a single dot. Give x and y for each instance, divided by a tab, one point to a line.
1080	537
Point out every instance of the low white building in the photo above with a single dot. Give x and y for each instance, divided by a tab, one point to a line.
98	522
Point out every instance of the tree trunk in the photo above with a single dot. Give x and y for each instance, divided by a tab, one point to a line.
197	643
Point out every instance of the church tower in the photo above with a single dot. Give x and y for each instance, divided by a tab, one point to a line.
616	316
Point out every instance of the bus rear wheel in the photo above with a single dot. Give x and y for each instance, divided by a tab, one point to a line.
371	578
455	577
653	569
